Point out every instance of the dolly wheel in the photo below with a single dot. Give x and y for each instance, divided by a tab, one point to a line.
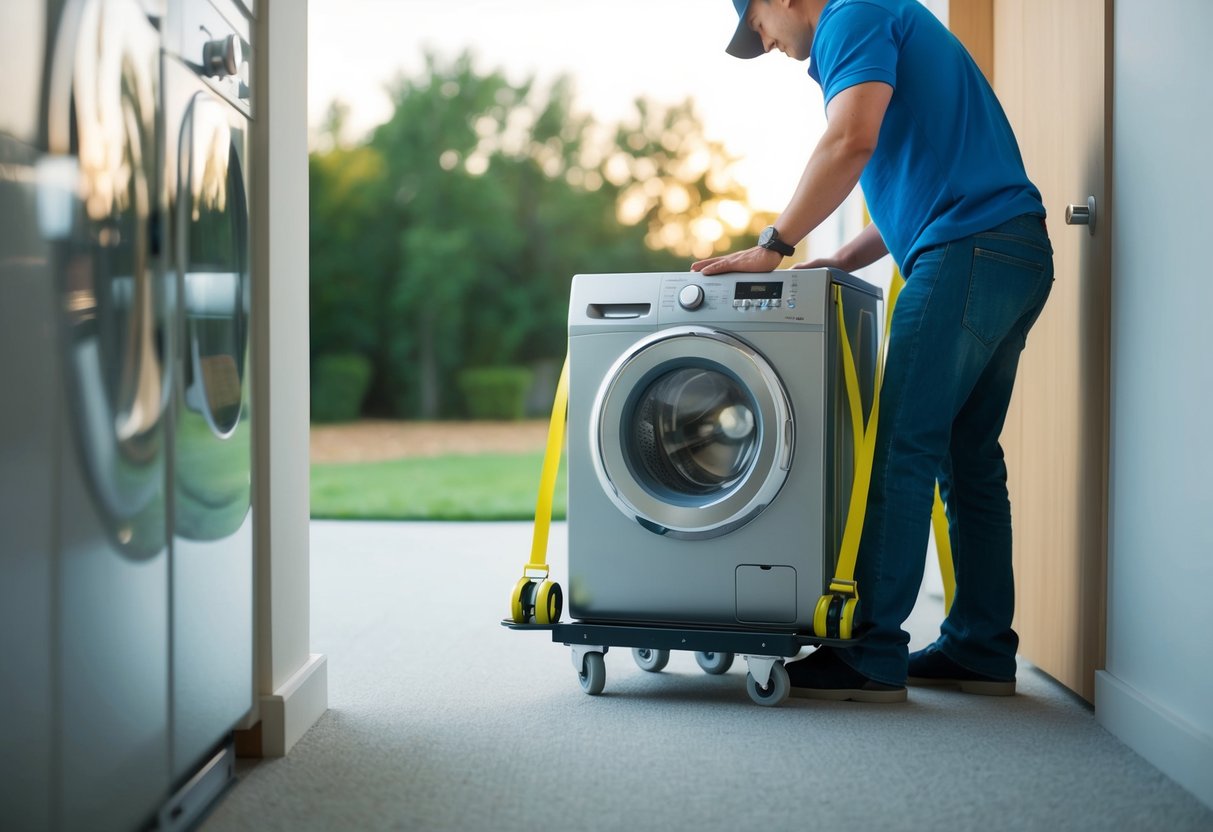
654	661
714	663
518	611
846	626
821	615
549	601
827	618
777	688
593	674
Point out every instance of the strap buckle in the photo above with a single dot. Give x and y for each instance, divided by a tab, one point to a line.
850	588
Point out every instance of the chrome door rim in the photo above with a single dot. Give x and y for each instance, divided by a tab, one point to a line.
767	471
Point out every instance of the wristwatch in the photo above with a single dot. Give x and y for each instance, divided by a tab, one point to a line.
769	239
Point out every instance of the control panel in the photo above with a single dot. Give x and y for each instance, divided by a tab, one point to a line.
778	297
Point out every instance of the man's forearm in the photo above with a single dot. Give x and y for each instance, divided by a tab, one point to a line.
865	249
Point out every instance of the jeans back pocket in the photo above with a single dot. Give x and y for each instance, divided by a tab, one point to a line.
1002	288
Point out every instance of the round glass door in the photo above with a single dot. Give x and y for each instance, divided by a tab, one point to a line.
693	433
214	267
113	303
212	437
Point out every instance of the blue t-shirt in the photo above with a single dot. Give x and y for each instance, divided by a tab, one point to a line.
946	164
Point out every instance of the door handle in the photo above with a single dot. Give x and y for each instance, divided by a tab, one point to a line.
1082	215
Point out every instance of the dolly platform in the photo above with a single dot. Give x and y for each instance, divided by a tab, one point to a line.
766	682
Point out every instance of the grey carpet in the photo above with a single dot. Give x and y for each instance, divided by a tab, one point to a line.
440	719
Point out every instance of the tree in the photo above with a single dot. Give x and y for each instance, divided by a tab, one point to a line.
448	238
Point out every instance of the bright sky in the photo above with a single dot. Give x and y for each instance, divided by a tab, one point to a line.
767	110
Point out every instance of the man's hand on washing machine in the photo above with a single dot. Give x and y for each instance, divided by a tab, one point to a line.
756	259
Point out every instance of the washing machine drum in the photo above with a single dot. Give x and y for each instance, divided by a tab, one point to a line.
693	432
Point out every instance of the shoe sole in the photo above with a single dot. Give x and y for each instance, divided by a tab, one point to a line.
882	697
966	685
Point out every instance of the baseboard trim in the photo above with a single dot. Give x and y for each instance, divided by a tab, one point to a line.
288	713
1176	747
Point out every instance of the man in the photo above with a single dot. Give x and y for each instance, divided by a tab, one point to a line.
911	119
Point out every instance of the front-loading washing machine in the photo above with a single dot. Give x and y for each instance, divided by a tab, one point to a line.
208	115
711	447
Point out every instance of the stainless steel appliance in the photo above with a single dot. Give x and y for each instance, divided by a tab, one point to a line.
710	446
207	115
28	407
97	194
126	563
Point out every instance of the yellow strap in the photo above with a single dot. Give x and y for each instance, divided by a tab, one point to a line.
865	446
943	546
852	380
864	439
547	479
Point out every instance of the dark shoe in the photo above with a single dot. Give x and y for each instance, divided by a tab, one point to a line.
822	675
929	667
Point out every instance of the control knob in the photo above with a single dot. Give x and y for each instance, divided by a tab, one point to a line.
221	58
690	297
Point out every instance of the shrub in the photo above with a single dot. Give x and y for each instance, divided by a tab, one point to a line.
495	392
339	384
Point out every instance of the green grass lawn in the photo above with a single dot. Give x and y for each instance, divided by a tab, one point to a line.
454	487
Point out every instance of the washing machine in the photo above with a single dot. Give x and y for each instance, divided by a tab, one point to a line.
28	376
96	209
710	449
208	111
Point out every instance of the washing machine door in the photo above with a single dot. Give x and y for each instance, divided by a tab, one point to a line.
692	432
97	204
212	438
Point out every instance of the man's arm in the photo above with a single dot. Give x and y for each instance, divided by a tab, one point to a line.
863	250
854	116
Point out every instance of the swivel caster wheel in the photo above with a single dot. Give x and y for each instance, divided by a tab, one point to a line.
714	663
654	661
593	674
774	692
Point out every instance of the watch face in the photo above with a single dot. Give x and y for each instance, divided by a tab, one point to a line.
766	235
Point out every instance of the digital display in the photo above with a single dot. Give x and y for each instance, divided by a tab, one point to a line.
759	291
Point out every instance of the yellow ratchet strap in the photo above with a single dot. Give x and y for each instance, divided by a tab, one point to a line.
844	574
864	449
537	567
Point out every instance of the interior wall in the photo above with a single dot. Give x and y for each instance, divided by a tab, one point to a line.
291	681
1158	685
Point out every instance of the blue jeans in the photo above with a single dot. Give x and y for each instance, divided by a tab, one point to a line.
959	326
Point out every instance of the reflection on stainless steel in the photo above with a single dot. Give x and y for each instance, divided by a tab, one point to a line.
57	178
213	310
115	105
95	200
212	146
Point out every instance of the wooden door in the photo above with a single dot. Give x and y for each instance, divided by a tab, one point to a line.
1052	72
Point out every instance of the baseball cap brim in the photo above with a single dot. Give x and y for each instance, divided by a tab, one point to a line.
745	42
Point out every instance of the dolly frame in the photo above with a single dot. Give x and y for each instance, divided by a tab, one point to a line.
764	651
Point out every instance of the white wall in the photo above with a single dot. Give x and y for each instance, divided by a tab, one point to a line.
292	682
1157	691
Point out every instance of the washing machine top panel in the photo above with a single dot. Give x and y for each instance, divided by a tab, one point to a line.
214	39
738	302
